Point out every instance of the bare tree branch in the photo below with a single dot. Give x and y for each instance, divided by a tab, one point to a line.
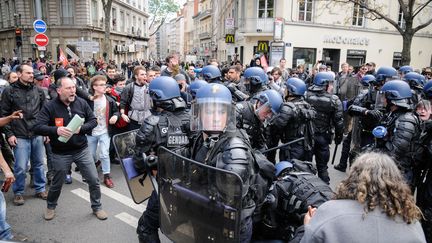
422	26
160	25
420	8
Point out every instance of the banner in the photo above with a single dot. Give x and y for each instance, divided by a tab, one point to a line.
63	58
264	63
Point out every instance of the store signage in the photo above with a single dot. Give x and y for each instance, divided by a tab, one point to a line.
345	40
263	46
229	38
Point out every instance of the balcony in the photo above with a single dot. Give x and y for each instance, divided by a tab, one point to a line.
205	14
256	26
204	35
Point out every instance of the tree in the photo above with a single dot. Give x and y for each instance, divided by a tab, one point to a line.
160	11
411	9
107	4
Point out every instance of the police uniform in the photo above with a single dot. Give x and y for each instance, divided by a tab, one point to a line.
293	122
169	128
329	115
247	120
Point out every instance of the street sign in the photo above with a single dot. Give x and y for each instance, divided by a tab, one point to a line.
278	29
229	38
41	40
39	26
87	44
277	52
229	23
88	49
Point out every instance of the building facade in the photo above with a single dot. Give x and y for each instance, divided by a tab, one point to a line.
76	26
322	30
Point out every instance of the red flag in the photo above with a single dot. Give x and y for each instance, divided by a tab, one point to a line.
63	59
264	63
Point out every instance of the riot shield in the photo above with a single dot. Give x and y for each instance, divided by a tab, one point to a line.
139	184
198	203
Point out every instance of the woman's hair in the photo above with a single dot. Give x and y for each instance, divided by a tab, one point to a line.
375	181
424	104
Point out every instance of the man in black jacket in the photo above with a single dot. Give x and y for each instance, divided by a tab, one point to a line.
52	121
24	95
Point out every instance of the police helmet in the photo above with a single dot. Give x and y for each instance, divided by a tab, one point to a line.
282	166
415	80
163	88
272	99
213	111
195	86
405	69
379	132
165	93
427	90
256	76
398	93
369	78
383	73
322	79
210	72
296	86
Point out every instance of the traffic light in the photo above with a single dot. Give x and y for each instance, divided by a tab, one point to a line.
18	38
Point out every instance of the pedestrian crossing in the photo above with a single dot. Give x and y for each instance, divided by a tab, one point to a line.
123	216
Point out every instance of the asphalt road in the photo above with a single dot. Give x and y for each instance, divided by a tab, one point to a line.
74	221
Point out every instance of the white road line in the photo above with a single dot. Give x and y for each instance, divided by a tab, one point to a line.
82	194
115	195
128	219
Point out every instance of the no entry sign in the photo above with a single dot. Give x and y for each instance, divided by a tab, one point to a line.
41	40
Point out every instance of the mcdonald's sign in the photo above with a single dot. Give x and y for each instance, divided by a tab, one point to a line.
229	38
263	46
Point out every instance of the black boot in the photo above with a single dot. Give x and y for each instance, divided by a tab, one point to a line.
340	167
149	238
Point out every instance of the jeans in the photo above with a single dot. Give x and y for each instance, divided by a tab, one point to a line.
29	149
103	141
61	165
5	229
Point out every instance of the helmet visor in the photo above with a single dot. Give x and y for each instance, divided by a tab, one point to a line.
213	117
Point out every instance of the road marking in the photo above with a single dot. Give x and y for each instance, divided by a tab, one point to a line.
128	219
82	194
115	195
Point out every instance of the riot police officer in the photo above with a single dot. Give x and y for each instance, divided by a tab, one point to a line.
195	86
403	126
361	134
295	121
254	116
385	74
169	119
329	115
255	80
416	82
211	74
221	145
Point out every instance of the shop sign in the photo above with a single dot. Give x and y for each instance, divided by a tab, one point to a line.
345	40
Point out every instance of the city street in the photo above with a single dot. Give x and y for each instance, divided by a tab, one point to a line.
74	221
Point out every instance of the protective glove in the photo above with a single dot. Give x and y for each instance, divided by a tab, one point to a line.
375	114
338	138
151	162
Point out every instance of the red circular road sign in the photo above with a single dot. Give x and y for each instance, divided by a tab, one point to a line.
41	40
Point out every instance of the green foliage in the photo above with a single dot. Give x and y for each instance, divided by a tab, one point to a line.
161	8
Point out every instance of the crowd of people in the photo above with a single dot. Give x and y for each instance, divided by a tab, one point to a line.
232	117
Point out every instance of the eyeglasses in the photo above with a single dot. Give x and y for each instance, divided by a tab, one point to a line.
69	111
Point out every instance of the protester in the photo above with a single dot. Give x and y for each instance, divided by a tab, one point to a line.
374	204
52	121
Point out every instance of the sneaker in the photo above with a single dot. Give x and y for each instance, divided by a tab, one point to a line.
100	214
49	214
42	195
340	167
108	182
17	237
18	200
68	179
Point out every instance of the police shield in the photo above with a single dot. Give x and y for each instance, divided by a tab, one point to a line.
139	184
198	203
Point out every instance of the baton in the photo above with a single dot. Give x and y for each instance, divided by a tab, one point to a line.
334	154
283	145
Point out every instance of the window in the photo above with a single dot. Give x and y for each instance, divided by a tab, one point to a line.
265	8
358	14
7	14
66	11
401	20
305	10
43	7
306	56
1	17
122	21
114	19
